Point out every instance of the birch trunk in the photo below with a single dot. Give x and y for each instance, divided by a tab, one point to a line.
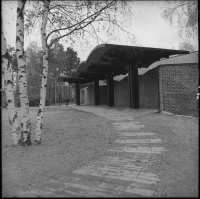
25	139
43	90
10	102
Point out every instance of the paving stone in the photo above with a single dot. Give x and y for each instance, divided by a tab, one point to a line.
119	177
89	182
155	140
143	140
148	177
120	141
73	193
131	141
143	192
132	166
123	194
96	178
144	186
66	179
98	194
76	190
126	171
102	192
63	194
119	182
109	170
144	181
79	186
112	186
54	185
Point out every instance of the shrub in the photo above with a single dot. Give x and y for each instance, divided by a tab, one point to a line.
36	102
47	102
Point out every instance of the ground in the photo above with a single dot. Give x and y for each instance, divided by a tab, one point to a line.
72	137
178	166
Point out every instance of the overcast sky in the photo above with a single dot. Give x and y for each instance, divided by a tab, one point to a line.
150	29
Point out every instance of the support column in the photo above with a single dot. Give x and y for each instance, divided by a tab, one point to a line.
96	91
133	85
110	89
77	94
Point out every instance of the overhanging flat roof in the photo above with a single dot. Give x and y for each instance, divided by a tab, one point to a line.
113	58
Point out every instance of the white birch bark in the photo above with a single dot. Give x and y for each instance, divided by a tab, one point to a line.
43	89
25	139
10	102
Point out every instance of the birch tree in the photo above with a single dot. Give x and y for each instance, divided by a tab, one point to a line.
43	90
25	139
10	102
76	21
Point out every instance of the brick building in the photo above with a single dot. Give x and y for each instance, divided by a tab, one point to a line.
169	85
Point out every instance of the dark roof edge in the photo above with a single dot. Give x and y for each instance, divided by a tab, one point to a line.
83	62
99	46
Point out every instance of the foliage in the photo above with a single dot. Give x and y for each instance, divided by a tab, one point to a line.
60	62
186	46
76	21
72	61
34	69
36	102
185	15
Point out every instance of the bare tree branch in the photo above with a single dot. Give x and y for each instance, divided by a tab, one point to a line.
97	13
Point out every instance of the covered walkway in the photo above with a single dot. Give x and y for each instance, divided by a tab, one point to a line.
109	60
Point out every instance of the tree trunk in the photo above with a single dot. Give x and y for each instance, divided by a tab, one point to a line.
43	90
55	86
25	139
10	102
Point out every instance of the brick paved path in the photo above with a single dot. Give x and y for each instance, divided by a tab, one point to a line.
123	172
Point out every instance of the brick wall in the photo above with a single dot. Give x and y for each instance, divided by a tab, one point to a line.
178	87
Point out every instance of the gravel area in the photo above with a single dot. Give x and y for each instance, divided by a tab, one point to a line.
70	139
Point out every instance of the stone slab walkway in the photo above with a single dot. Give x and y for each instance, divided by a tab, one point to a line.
122	172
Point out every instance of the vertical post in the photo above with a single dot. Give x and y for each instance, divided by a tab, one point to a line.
110	89
77	94
133	85
69	93
55	92
59	99
96	91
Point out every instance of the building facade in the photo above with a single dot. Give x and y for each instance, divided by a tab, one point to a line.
169	85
